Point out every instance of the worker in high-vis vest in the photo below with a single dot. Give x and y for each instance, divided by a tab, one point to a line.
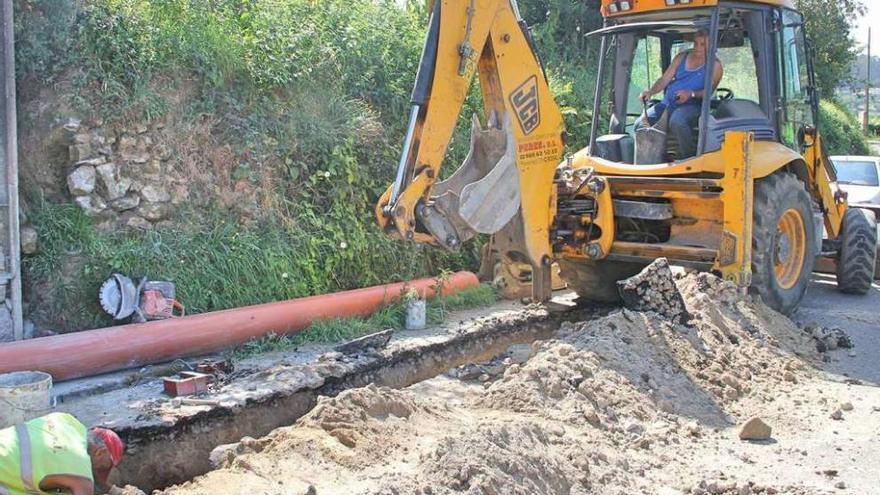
56	454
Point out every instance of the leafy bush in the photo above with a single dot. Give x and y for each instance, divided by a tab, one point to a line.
840	130
221	265
311	96
45	30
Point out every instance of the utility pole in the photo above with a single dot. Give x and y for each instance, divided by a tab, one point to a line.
10	272
867	117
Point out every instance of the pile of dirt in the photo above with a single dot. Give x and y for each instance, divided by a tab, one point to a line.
617	405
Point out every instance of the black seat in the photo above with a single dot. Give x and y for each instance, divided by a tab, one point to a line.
738	108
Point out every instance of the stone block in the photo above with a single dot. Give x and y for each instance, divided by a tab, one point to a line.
81	181
92	205
654	289
94	162
152	167
80	152
114	187
155	194
127	202
163	152
138	157
138	223
29	240
153	211
127	145
72	125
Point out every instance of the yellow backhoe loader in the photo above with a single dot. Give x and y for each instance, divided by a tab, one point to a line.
756	204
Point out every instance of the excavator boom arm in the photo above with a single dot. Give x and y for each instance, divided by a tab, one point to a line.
506	183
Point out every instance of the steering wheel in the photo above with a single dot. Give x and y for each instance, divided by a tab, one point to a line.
724	94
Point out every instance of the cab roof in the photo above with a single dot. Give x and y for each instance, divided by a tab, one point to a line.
611	8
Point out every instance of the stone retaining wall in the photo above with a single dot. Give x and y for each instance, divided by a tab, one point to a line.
123	178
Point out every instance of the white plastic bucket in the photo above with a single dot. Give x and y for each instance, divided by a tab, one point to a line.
416	314
24	395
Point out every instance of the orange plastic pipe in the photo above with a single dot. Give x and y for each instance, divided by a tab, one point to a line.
92	352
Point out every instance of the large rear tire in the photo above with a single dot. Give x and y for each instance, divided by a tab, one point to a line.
783	241
858	251
597	280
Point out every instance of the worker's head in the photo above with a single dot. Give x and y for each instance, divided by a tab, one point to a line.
105	450
701	41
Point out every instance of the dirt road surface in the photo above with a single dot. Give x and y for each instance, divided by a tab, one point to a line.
859	316
630	403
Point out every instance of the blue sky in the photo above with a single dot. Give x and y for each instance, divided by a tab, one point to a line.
871	19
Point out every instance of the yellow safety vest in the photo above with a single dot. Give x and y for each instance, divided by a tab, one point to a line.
29	452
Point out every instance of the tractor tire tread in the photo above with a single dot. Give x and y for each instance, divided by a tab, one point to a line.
780	188
858	252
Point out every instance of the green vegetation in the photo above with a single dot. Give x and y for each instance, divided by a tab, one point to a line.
221	265
390	316
841	131
829	25
311	99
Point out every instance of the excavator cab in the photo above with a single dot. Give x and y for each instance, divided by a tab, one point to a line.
762	51
756	203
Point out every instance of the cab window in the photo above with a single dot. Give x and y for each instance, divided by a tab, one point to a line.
740	72
795	79
646	68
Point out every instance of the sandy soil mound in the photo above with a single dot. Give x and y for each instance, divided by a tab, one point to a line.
628	403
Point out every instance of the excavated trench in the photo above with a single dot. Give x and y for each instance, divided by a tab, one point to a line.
159	456
696	397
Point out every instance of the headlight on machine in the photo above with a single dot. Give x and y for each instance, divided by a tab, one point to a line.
621	6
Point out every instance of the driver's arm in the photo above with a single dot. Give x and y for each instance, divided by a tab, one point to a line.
665	79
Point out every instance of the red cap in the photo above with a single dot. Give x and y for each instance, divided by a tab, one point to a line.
113	442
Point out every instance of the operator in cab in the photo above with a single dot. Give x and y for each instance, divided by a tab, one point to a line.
56	454
683	83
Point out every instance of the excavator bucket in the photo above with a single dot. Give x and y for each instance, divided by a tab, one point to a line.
483	195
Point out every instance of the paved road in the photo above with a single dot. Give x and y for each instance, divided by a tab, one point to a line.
859	316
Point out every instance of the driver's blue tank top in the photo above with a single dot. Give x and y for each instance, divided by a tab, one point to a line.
689	80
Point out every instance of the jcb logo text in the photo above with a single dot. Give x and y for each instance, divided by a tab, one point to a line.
525	104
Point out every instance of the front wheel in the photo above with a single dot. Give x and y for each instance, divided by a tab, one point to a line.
783	241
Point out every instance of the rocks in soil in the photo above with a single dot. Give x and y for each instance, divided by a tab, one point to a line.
224	455
512	358
595	410
654	289
828	339
376	340
126	490
755	429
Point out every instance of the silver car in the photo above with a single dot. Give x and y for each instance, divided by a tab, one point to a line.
859	177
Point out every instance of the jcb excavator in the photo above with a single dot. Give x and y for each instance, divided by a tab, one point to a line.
757	204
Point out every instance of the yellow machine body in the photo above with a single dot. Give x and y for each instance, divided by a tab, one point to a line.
710	197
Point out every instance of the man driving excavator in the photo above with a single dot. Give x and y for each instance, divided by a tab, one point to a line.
683	82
